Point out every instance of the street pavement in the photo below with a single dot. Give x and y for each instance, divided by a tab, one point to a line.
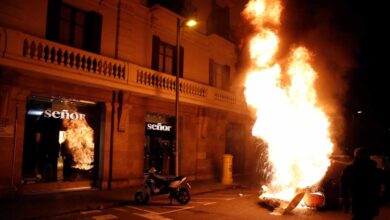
227	204
210	200
45	205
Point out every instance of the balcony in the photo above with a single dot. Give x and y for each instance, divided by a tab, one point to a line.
49	59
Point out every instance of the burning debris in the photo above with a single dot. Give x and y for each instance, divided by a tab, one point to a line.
289	119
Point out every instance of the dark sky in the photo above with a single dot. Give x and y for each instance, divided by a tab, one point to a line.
350	43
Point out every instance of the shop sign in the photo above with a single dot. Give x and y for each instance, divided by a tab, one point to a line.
63	114
158	127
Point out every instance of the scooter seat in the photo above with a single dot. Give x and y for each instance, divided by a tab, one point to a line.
167	178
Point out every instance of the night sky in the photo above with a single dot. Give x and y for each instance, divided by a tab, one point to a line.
350	52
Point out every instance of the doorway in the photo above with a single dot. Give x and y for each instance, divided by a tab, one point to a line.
159	144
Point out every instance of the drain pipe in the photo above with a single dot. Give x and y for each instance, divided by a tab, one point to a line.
112	139
118	17
14	151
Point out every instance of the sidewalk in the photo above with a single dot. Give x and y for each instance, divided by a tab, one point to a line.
46	205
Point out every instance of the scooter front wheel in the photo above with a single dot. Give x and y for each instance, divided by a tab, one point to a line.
141	197
183	196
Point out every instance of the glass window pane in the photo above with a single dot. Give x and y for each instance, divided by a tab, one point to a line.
80	18
79	37
161	63
168	65
66	12
64	32
218	80
169	51
161	51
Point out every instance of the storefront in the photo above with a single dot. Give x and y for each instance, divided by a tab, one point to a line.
61	141
160	143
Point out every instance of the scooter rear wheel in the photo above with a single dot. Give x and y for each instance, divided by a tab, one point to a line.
141	198
183	196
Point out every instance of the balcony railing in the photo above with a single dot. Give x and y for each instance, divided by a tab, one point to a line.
41	56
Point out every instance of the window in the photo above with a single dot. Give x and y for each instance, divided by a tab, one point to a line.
219	75
184	8
164	57
218	21
74	27
61	141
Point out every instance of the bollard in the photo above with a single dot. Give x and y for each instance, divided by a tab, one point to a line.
227	176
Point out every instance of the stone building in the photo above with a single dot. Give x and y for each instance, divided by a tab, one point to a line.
88	93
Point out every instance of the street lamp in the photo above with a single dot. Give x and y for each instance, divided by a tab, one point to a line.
179	25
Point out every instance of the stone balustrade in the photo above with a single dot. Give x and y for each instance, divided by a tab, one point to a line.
49	52
91	68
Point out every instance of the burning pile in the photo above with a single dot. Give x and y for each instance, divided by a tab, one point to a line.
288	118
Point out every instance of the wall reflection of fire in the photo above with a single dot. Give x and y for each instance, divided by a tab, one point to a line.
79	143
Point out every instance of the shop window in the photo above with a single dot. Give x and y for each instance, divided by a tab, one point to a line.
219	75
164	57
74	27
61	140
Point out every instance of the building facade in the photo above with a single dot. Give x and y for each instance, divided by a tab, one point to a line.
88	93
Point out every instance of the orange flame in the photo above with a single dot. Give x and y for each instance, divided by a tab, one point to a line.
79	138
288	118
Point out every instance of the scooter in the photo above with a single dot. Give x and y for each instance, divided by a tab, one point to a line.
177	187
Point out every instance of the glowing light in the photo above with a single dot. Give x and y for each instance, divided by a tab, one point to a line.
191	23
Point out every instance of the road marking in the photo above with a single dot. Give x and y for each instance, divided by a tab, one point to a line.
212	198
120	209
199	202
90	212
105	217
177	210
152	216
144	210
209	203
170	206
245	195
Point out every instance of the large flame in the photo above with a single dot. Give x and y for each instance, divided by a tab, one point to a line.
79	138
289	119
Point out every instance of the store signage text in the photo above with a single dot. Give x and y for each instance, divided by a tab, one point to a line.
158	127
63	114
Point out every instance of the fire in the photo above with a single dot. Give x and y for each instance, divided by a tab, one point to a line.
289	119
79	138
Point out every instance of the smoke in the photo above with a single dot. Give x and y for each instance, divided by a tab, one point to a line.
329	29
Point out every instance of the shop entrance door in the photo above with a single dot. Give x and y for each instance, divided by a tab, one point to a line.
159	155
159	147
